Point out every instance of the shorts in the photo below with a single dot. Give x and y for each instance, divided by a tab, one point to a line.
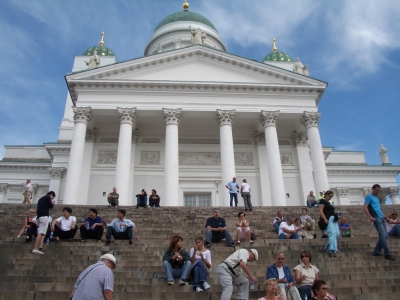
42	225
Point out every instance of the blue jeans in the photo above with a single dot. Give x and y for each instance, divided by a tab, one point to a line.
276	226
333	234
395	231
305	290
216	236
380	225
199	274
233	195
294	236
176	273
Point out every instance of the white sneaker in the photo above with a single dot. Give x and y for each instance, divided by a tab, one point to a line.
37	252
198	289
18	236
206	286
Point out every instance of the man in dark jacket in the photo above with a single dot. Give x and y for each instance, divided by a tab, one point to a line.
283	276
43	206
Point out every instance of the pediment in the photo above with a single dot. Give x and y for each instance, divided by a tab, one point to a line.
195	64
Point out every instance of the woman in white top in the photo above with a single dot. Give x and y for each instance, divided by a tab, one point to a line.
243	229
305	274
393	225
245	191
201	261
271	290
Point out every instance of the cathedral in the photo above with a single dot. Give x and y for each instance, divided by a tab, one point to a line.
184	119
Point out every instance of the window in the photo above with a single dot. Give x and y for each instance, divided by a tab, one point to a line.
198	200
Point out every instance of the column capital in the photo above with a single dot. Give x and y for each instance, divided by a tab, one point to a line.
310	119
225	116
172	116
393	190
82	114
91	135
300	139
269	118
56	173
367	190
259	138
343	191
126	115
3	187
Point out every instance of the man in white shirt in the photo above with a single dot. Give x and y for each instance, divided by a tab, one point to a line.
120	228
64	227
230	273
28	192
287	230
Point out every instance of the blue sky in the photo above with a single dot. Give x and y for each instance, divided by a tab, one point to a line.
353	45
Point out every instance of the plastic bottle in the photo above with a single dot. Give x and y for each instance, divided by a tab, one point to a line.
87	226
339	213
47	241
252	286
305	296
51	235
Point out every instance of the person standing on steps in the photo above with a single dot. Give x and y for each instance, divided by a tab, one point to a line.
233	188
372	209
245	191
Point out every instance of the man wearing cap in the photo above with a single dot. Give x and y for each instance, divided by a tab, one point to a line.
97	280
230	273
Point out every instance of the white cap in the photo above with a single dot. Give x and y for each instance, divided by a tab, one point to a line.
109	257
255	252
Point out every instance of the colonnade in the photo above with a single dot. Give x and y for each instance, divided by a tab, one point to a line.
172	117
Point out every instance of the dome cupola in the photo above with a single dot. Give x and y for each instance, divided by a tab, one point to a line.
101	49
276	55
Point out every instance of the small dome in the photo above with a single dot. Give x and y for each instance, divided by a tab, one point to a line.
101	50
278	56
185	16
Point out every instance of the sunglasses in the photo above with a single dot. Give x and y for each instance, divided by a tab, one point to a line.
394	214
304	256
325	288
280	258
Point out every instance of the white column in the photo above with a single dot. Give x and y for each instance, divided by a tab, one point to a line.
127	117
135	140
311	121
305	166
269	120
91	136
3	190
56	175
82	116
394	194
172	117
265	199
225	121
343	194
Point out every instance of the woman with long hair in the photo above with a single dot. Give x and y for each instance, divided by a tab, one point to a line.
327	213
176	261
272	291
305	274
200	258
27	222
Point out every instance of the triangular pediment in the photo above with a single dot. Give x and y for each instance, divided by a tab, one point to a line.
195	64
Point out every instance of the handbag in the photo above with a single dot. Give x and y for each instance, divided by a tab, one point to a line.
322	225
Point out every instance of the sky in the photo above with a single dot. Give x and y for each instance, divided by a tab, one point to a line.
352	45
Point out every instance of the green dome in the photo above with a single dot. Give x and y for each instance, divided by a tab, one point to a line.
101	50
185	16
278	56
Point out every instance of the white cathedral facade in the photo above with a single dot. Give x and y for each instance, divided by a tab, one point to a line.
184	119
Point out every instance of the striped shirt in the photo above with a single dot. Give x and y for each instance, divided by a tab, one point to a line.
93	281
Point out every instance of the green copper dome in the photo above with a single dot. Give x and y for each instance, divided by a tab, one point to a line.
278	56
185	16
101	50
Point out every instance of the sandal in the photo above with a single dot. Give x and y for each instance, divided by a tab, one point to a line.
251	242
238	243
57	239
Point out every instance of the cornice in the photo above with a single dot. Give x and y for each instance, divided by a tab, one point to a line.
25	166
363	170
58	149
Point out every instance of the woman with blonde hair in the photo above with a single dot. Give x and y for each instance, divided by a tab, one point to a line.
27	222
200	258
243	229
271	290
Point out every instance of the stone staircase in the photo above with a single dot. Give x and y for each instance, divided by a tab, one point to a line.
356	275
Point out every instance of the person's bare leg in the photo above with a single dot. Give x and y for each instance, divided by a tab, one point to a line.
39	241
249	235
22	231
238	236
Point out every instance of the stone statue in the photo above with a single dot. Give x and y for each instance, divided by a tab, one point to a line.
160	48
298	67
197	36
94	61
383	155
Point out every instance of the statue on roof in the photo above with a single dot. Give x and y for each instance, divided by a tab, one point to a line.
383	155
298	67
94	61
197	36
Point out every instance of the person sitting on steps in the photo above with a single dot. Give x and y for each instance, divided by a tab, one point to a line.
120	228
